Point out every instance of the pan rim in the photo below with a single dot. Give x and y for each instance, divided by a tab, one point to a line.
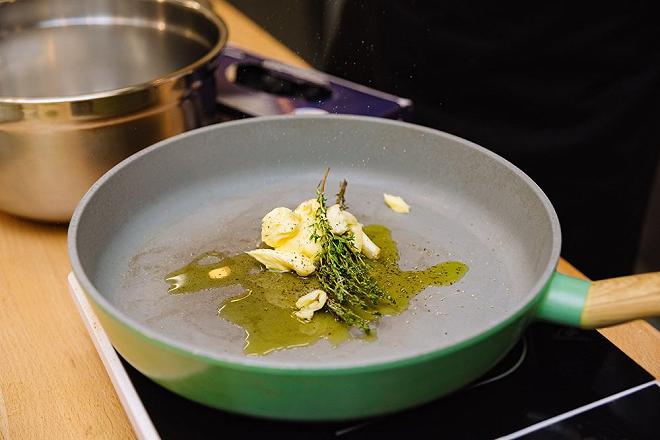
256	363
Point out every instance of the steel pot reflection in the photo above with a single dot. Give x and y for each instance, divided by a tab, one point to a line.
84	84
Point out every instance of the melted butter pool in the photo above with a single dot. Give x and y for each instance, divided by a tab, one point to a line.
265	308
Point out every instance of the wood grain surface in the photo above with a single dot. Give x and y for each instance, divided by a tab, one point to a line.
52	382
621	299
638	339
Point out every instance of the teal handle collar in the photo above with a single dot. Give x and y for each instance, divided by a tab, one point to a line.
563	300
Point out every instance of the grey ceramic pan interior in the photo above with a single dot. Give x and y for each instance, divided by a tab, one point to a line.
208	190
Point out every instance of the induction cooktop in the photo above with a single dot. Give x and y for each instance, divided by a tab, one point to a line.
556	383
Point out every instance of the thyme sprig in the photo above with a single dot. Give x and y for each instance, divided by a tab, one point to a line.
341	270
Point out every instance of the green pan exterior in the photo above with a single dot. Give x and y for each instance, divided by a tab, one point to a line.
337	394
305	393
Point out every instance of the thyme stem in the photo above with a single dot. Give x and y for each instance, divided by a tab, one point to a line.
342	272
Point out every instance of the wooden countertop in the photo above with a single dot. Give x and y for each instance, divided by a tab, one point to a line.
52	382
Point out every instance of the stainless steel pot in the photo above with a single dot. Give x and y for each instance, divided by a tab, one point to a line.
84	84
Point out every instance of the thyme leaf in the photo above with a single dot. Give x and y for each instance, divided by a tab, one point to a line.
342	271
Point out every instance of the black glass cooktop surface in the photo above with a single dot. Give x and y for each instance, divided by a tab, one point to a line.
630	416
549	374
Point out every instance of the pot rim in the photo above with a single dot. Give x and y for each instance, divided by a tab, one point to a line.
213	18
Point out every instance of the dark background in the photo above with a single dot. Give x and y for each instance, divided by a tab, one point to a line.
568	92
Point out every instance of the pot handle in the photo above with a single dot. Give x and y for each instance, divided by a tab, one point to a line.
580	303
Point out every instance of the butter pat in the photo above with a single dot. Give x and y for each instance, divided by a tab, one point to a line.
284	261
279	225
310	303
396	203
289	234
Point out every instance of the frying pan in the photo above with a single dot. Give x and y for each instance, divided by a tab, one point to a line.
208	189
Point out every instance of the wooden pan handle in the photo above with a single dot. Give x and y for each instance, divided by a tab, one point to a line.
621	299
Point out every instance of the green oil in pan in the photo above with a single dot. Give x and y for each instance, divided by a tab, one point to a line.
265	308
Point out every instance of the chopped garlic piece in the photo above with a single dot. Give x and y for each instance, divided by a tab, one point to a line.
350	218
284	261
369	248
304	314
278	225
337	220
342	221
220	272
310	303
396	203
358	237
